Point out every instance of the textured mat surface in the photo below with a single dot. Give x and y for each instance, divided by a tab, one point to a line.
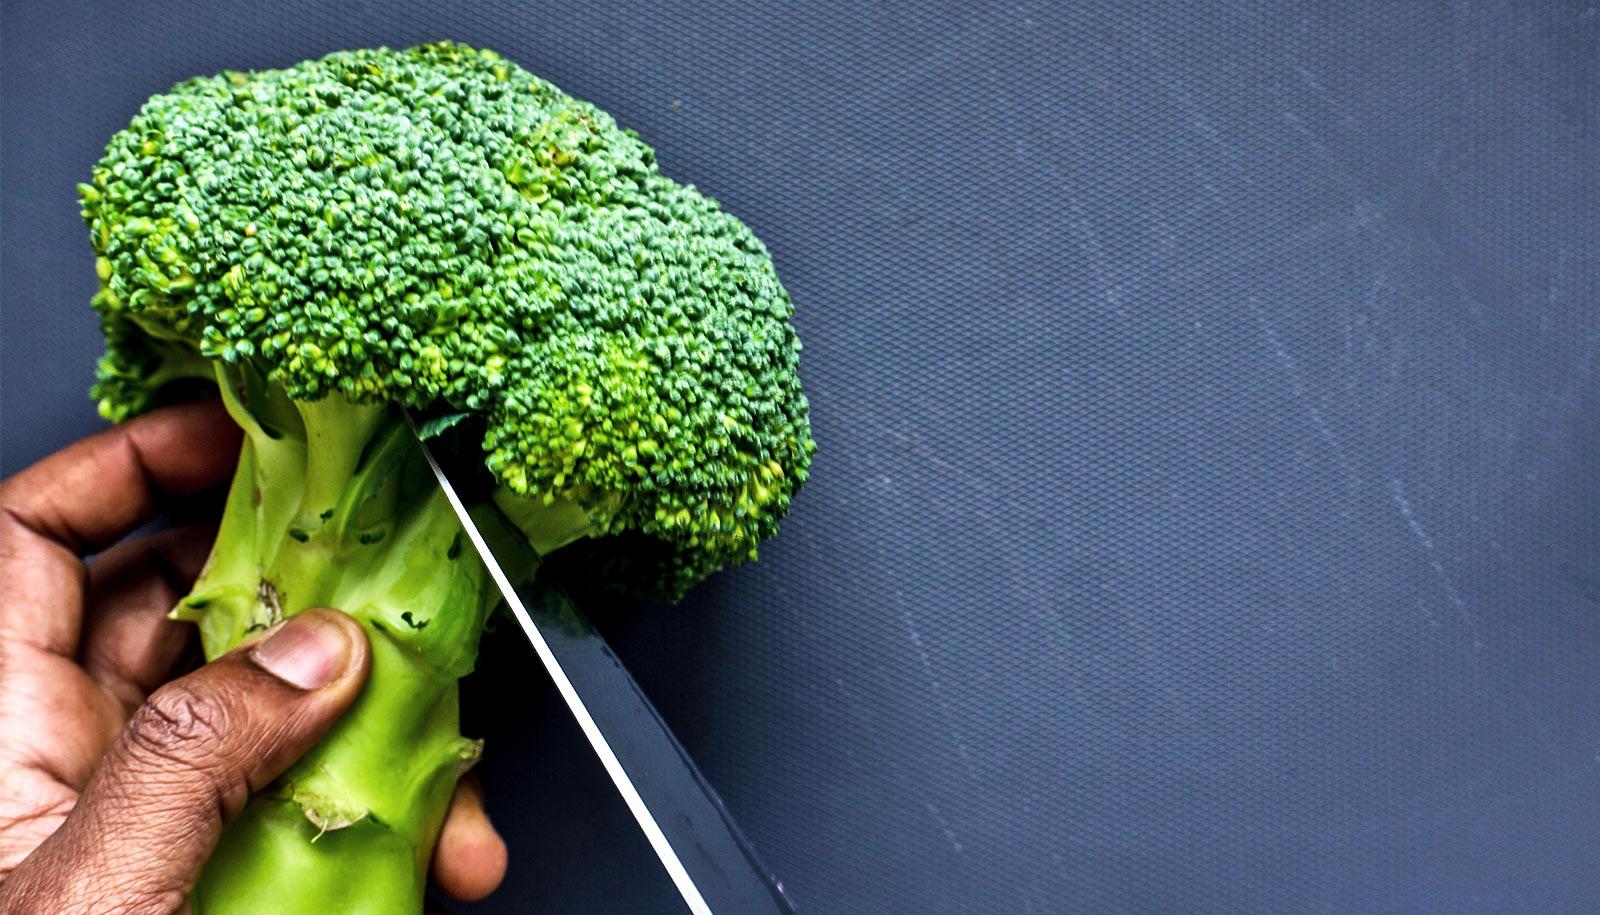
1206	511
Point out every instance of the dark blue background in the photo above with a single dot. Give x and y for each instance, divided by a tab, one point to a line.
1205	516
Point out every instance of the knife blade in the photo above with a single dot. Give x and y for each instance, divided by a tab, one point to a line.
709	860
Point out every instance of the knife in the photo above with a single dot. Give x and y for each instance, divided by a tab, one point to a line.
713	866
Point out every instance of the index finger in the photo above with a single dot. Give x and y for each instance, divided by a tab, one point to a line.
86	496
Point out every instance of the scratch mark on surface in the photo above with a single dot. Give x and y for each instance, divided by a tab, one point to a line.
1298	388
1208	129
922	448
937	689
1397	495
935	686
949	837
1099	265
1311	82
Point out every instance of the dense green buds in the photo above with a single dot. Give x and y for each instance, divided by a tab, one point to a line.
437	227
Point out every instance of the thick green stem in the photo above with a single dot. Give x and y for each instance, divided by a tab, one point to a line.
339	511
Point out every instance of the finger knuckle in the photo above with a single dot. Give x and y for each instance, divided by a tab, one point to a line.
178	724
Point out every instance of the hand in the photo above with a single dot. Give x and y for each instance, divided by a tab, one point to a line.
113	787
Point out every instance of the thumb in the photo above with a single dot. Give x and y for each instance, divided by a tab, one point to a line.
187	761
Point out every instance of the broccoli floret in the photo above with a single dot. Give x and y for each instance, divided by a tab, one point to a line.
439	230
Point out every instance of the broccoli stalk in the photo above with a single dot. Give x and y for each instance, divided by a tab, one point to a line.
437	230
332	505
328	508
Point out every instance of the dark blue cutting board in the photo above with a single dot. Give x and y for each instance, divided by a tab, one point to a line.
1205	516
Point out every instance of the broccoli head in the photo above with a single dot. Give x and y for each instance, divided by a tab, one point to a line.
438	230
437	227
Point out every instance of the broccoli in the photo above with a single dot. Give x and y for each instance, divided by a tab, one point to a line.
439	230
